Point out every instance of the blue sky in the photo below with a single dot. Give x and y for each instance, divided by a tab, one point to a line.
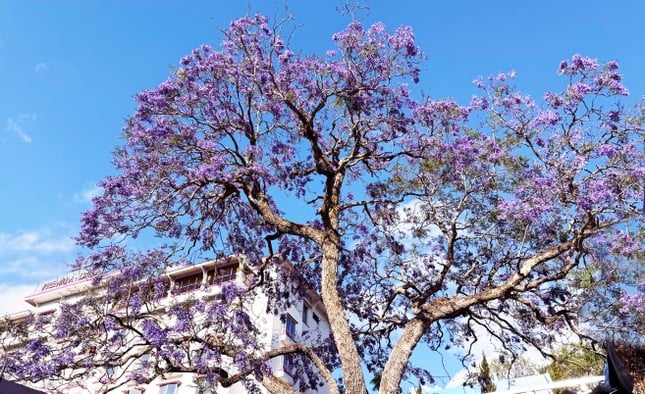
69	71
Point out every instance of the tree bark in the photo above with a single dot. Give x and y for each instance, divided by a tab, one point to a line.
396	363
277	386
349	358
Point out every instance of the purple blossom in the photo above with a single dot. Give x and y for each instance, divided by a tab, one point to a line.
578	64
554	100
578	90
153	333
634	302
546	118
404	38
480	103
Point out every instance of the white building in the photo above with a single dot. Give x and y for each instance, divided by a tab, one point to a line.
304	321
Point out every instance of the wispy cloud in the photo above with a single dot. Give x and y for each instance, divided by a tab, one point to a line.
492	348
40	67
409	223
16	126
458	379
425	389
40	241
30	257
90	190
31	269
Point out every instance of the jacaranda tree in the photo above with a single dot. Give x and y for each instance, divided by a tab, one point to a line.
420	222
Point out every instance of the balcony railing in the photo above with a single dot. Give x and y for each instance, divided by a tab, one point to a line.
186	286
222	278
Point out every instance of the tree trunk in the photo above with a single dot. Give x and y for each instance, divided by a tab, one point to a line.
398	360
349	358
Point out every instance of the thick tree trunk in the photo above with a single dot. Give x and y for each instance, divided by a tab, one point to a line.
349	358
396	363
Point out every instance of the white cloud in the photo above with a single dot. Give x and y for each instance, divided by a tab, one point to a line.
458	379
427	389
13	298
32	268
16	126
90	190
35	256
409	223
23	117
39	241
492	348
40	67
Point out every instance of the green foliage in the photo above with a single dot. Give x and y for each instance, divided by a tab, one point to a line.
376	380
518	368
573	361
485	379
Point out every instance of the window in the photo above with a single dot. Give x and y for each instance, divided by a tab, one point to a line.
288	364
220	275
169	388
290	326
305	313
316	319
189	283
142	365
110	372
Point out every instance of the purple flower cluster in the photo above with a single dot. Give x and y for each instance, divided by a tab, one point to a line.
634	302
578	64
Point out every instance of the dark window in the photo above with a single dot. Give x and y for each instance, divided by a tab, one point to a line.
220	275
188	283
290	326
316	319
305	313
288	364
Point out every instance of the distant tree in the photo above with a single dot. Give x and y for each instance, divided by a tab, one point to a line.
418	220
511	368
485	379
376	380
610	312
573	361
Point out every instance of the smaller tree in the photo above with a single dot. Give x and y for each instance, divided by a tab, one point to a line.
573	360
376	380
511	367
485	379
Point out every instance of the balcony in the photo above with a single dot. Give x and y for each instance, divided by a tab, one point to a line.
186	285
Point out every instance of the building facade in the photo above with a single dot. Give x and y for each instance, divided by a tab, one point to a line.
303	320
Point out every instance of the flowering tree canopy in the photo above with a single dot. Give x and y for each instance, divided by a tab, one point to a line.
420	222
